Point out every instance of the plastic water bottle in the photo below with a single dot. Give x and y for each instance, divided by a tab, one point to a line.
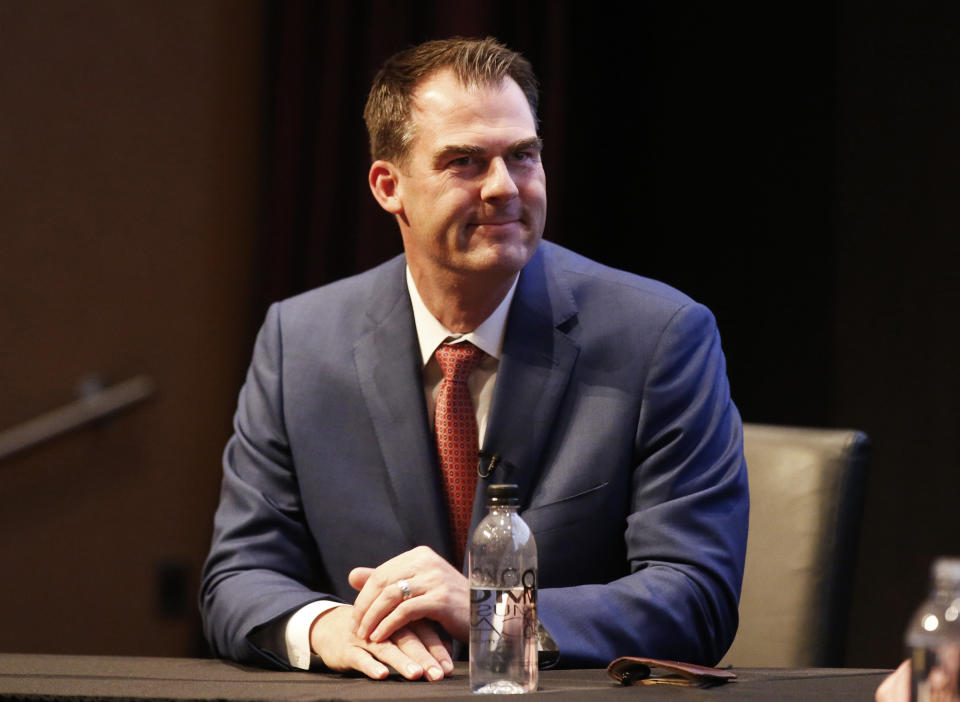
503	599
933	637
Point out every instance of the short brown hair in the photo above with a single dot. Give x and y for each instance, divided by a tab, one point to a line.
474	61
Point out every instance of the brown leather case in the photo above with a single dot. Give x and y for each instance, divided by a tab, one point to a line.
630	670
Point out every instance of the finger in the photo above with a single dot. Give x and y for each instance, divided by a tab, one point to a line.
400	616
358	577
387	615
437	646
420	560
440	597
332	639
361	660
390	598
382	583
399	659
413	647
374	583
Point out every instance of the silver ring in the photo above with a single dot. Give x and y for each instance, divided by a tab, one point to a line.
404	587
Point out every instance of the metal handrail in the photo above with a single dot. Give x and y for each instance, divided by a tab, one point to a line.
88	409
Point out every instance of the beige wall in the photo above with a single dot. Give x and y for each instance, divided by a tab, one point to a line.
129	136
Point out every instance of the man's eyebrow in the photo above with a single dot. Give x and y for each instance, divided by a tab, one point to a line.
531	144
454	150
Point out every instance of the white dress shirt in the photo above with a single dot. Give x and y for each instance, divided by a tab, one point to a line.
488	337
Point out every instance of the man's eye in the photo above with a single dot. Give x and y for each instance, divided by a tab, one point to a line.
462	162
522	155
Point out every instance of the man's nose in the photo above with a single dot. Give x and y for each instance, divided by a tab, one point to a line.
498	183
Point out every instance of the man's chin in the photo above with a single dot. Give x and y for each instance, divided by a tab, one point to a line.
506	257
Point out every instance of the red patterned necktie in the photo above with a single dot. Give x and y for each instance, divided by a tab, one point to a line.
457	442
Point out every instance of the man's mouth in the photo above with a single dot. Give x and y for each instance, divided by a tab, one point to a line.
496	221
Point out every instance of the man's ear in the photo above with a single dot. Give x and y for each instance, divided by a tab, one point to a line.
384	179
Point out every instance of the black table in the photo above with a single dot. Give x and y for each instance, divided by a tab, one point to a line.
62	678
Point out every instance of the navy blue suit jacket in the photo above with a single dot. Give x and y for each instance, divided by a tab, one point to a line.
611	412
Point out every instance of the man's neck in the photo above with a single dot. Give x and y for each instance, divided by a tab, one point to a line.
462	302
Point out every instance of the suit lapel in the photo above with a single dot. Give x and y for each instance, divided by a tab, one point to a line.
534	370
389	369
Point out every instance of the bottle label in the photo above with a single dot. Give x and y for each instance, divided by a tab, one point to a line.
507	609
506	579
500	612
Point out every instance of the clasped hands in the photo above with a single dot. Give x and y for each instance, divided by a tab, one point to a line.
387	627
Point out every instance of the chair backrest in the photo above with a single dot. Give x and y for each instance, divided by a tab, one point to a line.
806	501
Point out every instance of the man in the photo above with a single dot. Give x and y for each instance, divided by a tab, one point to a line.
340	534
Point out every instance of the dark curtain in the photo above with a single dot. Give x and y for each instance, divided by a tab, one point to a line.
688	142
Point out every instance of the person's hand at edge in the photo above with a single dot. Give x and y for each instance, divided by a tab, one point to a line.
896	686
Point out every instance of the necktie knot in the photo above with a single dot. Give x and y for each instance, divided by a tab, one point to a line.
457	361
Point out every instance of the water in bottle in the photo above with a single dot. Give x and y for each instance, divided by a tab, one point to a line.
503	599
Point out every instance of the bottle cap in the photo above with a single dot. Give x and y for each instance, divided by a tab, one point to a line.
946	569
503	494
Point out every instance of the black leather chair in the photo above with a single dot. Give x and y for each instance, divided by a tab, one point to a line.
806	502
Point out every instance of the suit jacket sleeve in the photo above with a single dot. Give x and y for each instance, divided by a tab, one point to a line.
263	562
686	529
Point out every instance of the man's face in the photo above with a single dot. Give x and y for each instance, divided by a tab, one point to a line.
472	193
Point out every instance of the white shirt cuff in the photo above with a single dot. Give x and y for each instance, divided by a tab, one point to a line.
297	633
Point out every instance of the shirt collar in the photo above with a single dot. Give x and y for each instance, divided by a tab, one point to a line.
488	337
